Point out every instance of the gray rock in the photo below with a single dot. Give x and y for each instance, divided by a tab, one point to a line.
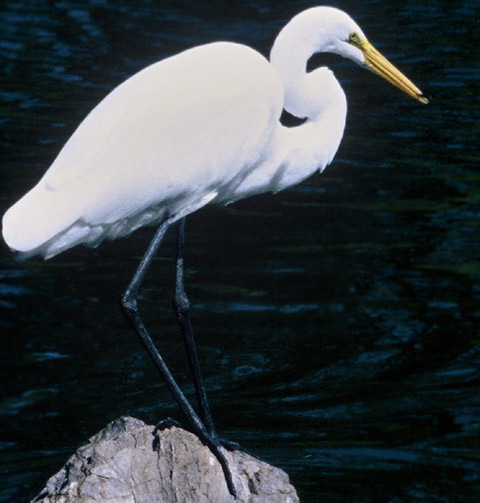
129	462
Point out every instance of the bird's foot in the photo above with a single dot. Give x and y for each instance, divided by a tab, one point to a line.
212	442
215	445
166	423
235	446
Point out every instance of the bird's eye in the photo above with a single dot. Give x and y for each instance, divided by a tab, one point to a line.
354	39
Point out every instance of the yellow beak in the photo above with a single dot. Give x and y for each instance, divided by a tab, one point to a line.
381	66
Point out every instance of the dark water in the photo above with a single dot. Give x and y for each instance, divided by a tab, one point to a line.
338	322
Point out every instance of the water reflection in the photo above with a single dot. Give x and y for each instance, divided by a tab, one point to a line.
339	320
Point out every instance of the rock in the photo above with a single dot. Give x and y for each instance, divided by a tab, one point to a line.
131	462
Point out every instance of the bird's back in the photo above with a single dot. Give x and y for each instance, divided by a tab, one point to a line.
169	139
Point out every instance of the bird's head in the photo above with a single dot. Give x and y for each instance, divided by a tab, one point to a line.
332	30
348	40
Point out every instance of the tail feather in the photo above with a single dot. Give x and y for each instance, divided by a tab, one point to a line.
35	219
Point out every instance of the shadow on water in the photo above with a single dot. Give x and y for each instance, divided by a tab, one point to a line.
337	322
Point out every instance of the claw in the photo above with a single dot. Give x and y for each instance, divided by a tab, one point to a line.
166	423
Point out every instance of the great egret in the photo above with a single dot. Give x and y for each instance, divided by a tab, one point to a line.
199	127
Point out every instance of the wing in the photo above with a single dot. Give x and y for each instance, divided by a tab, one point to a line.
170	138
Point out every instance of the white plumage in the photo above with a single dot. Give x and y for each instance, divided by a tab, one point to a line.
202	126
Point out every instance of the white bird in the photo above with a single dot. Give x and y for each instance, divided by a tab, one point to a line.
199	127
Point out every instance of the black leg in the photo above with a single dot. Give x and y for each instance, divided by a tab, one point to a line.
129	307
182	310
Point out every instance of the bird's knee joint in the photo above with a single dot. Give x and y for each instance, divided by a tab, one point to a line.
181	303
128	304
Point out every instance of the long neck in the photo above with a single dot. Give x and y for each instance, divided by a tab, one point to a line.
316	96
289	55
